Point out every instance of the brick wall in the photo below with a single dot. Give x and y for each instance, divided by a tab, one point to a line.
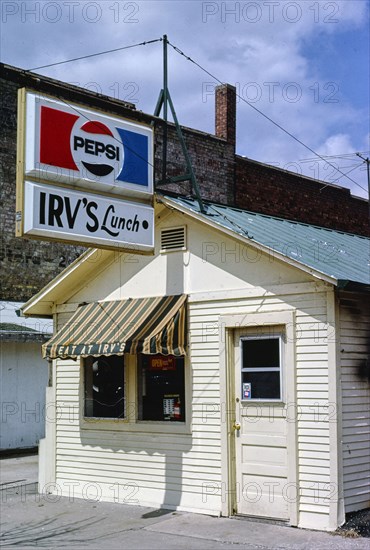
262	188
27	265
213	162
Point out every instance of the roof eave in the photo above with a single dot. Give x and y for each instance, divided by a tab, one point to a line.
353	286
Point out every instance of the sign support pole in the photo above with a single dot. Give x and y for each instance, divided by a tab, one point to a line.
164	100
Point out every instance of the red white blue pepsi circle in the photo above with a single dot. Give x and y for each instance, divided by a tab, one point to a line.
97	149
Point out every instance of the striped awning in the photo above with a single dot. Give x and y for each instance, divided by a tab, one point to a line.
135	325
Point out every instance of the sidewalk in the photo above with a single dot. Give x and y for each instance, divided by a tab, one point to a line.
50	521
19	470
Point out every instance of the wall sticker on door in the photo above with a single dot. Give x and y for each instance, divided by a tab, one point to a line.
247	390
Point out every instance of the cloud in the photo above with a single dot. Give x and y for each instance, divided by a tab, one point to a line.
335	144
269	50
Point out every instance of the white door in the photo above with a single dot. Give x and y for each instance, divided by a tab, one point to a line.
260	429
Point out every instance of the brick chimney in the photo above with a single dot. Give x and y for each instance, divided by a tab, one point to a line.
226	112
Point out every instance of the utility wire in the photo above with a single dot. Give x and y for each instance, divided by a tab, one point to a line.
267	117
352	169
340	155
93	121
95	54
239	227
317	155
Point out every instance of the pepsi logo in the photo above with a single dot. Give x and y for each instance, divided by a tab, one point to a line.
81	145
96	147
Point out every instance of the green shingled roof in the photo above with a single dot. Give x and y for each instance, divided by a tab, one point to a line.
343	256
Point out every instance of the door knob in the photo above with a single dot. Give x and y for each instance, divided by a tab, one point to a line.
237	426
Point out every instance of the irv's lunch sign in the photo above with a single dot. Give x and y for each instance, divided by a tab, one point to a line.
59	213
68	145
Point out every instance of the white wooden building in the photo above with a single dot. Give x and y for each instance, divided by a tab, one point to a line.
23	377
266	415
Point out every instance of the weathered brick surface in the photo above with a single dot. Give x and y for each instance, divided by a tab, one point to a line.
213	162
27	265
276	192
225	112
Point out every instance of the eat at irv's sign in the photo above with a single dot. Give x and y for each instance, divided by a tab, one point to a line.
69	144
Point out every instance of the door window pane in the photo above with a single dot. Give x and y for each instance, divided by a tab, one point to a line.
263	385
262	352
261	368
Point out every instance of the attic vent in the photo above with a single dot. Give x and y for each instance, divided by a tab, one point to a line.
173	238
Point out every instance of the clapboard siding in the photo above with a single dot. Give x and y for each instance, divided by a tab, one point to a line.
62	319
171	467
177	467
195	458
354	355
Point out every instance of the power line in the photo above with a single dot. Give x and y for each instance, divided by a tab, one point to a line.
317	155
115	139
352	169
96	54
367	160
267	117
340	155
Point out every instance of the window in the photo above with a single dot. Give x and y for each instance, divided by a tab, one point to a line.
105	387
261	367
135	388
161	388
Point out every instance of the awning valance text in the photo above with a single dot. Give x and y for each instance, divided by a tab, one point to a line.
135	325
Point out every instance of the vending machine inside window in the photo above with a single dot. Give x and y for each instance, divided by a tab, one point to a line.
161	383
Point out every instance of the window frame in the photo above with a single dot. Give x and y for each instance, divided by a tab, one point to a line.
131	422
139	365
278	336
84	367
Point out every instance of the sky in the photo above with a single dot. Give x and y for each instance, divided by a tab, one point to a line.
303	64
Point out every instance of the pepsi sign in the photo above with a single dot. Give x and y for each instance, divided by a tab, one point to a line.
86	148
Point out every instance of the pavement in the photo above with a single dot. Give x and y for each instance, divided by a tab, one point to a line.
19	470
30	520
